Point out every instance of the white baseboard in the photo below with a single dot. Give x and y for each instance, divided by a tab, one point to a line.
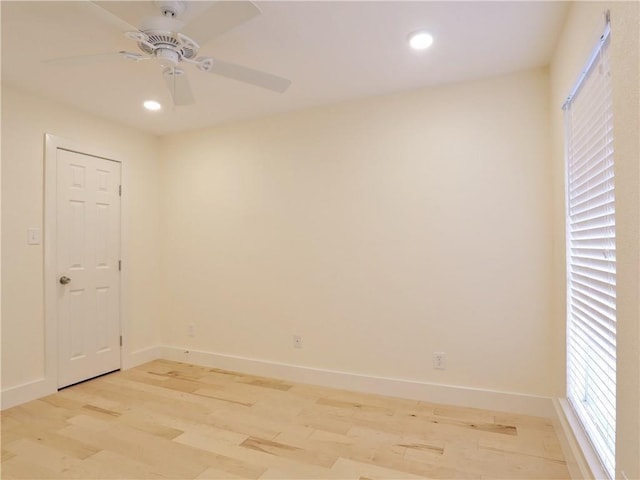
27	392
139	357
42	387
429	392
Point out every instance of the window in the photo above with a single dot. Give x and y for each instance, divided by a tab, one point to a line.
591	255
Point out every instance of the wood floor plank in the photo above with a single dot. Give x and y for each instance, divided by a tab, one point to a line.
354	469
169	419
293	467
110	465
216	474
43	456
23	467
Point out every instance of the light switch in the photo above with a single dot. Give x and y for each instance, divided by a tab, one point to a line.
34	236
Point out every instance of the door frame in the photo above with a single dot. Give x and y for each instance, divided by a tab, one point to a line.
52	144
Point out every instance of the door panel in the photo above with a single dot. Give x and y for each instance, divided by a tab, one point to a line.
88	252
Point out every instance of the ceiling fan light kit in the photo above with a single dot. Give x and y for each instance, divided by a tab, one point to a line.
167	57
164	33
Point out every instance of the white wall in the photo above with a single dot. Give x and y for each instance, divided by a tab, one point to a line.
584	25
380	231
25	120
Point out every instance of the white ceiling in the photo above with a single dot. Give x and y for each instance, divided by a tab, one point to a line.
331	51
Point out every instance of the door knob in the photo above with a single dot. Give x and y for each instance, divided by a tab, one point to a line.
65	280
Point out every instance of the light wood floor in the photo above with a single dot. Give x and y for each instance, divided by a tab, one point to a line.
173	420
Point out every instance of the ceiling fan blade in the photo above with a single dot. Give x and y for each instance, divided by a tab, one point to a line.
88	59
249	75
178	85
130	14
219	18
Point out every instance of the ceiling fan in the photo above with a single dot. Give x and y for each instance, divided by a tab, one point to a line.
167	31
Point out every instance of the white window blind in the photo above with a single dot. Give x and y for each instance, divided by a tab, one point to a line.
591	255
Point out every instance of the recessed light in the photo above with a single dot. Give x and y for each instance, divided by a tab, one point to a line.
421	39
152	105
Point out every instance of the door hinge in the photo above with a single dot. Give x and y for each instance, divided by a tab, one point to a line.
119	265
120	190
120	340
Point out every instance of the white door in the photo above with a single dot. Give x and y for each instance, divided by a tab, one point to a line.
88	263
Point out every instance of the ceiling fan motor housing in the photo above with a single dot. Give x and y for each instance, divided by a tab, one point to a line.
163	43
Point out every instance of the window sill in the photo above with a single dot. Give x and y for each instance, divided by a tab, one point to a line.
582	460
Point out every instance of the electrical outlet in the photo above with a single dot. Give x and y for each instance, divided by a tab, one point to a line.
297	341
439	360
191	329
